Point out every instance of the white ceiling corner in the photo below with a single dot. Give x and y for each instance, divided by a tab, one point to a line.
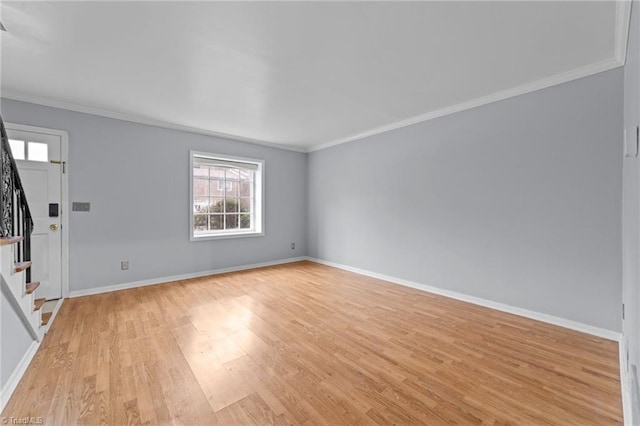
296	75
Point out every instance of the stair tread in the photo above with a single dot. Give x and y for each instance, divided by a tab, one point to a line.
46	317
5	241
31	287
21	266
38	303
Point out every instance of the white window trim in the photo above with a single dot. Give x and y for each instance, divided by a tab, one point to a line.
259	199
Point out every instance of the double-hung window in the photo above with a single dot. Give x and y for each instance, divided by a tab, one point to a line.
226	196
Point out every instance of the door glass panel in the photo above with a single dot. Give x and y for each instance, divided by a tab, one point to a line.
17	149
38	151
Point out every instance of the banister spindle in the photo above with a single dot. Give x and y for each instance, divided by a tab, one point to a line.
15	216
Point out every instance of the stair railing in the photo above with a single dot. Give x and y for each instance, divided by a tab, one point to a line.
15	216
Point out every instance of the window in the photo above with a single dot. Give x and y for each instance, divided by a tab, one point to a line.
226	196
37	151
33	151
225	186
17	149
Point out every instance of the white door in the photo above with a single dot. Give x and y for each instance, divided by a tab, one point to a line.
38	158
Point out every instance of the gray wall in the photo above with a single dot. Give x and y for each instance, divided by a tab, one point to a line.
516	202
631	207
15	340
137	180
428	203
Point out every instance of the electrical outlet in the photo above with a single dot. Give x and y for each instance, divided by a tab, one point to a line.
293	246
124	265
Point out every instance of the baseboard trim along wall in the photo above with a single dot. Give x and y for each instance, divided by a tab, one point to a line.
21	368
162	280
13	381
562	322
625	384
17	374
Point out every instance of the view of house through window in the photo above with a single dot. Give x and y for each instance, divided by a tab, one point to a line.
226	196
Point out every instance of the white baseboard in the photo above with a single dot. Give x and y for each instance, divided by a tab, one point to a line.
161	280
562	322
13	381
17	374
21	368
625	384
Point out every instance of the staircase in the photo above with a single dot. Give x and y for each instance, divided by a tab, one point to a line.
16	226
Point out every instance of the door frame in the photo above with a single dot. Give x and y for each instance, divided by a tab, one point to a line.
64	186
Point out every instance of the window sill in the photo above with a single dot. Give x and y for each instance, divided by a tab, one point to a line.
224	236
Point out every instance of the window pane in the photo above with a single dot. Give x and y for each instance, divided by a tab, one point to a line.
232	189
17	149
231	205
223	186
245	221
201	205
217	205
38	151
245	204
245	189
200	187
201	171
246	175
200	222
217	222
217	188
217	173
232	221
233	174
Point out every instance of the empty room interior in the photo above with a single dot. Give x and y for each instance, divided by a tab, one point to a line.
320	212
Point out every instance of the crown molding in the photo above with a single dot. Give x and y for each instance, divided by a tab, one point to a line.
622	20
622	17
17	96
495	97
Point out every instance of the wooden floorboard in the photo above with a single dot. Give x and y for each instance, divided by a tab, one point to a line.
308	344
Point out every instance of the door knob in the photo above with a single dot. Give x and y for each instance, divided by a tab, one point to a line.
53	227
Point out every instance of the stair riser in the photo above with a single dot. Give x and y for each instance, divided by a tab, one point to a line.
16	281
17	285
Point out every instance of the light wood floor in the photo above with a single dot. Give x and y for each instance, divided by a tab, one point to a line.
308	344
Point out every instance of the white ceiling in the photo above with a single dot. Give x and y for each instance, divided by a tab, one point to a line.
299	74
